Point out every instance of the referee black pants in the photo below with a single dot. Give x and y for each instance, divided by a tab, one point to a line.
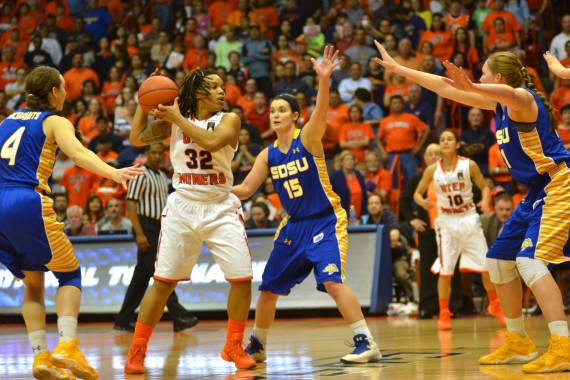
144	270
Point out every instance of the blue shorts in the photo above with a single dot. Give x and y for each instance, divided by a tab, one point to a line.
304	245
539	226
31	238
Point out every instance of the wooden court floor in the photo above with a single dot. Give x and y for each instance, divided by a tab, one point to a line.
297	349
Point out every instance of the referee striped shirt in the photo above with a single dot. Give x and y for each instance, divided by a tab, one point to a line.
150	191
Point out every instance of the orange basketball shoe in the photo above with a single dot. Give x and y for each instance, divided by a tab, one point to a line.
495	310
233	352
444	321
135	360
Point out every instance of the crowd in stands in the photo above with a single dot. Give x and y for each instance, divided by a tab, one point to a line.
378	124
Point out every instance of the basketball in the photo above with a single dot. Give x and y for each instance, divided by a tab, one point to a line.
157	90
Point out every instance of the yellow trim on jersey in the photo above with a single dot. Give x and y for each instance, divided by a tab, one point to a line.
45	167
532	146
281	225
63	257
341	219
555	221
295	135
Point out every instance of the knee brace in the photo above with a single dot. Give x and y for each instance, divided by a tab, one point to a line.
501	271
531	270
69	278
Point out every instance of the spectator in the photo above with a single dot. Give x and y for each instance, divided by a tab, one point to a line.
349	184
259	213
196	56
36	55
139	69
78	74
160	49
342	71
246	100
371	112
479	15
417	106
347	86
78	183
498	169
219	12
243	11
111	89
187	34
253	132
103	149
114	223
493	223
520	9
283	52
499	38
458	18
75	225
244	157
291	83
399	87
291	13
240	74
60	207
463	44
361	51
87	125
400	260
304	115
97	20
15	91
510	22
8	66
94	211
89	92
79	33
62	162
356	135
377	179
404	57
409	26
268	16
402	134
224	48
104	129
478	133
256	54
337	113
259	116
558	43
440	37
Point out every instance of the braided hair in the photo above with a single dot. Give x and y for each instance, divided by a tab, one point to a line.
509	66
195	83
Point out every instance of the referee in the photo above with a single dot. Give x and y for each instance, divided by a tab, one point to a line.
146	198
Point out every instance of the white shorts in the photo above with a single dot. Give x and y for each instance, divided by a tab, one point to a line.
459	236
186	225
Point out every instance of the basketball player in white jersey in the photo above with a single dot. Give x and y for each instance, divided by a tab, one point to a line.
458	228
201	210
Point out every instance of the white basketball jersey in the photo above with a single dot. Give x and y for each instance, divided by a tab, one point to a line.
454	189
199	174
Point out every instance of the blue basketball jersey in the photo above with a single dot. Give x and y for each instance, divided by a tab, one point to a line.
530	156
301	181
26	157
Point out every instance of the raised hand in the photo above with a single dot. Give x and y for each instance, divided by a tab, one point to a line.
387	62
457	77
327	65
127	174
554	64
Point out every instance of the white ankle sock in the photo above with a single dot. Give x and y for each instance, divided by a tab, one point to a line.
260	334
38	341
67	328
516	325
361	327
559	328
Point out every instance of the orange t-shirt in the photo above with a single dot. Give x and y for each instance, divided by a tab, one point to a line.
396	89
74	79
381	178
106	189
219	12
564	135
111	155
511	23
352	132
337	117
246	103
442	42
494	38
400	133
78	183
355	194
109	92
232	93
195	58
268	17
88	126
496	161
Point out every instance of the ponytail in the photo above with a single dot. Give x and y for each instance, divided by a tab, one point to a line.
530	84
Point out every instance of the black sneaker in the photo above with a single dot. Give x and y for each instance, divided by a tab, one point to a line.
184	323
129	327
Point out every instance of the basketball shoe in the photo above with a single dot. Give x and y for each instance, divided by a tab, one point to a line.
233	352
256	350
556	359
45	370
516	349
135	359
365	351
67	355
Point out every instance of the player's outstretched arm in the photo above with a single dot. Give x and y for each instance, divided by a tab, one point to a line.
255	178
64	135
435	83
313	132
556	67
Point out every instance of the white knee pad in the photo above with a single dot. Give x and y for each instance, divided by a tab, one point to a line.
501	271
531	270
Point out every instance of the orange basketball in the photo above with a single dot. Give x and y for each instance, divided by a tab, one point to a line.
157	90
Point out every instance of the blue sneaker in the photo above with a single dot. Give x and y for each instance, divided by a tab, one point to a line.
256	350
365	351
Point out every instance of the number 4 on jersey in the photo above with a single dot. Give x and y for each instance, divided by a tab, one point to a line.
10	147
